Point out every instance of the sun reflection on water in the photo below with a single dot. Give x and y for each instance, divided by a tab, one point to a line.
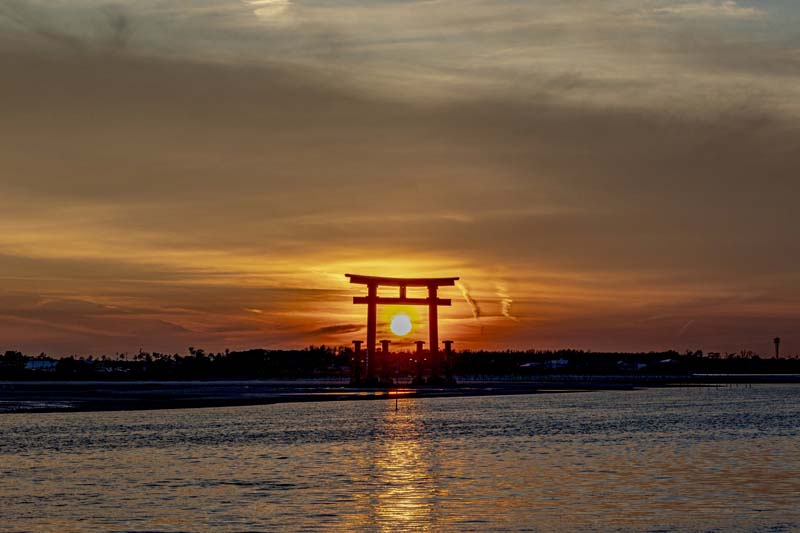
403	470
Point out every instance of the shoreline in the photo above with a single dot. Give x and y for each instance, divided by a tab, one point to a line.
94	397
18	397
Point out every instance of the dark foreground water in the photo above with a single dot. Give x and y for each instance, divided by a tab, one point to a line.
688	459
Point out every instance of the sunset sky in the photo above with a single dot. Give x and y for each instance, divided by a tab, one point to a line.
605	175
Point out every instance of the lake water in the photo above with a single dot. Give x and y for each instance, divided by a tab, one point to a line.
688	459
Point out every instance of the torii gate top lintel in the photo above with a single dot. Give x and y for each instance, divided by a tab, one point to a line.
401	282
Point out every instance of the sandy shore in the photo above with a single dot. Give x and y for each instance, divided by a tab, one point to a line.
64	396
27	397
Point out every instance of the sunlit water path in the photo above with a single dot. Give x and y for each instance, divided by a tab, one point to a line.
692	459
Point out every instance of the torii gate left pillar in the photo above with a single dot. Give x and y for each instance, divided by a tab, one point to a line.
372	300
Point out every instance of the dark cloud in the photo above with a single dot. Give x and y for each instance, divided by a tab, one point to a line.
336	329
25	16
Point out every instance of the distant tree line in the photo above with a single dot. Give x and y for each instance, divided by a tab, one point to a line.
535	362
329	361
313	361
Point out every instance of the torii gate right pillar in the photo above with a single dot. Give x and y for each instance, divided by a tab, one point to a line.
372	327
433	329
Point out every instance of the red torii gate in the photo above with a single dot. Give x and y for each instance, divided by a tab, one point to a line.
372	300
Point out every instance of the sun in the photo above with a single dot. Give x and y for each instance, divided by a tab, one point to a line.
400	325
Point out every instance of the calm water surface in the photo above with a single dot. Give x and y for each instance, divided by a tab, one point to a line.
684	459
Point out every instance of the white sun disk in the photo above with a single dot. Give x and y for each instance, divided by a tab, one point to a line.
400	325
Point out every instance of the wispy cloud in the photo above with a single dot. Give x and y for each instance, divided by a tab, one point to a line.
721	9
684	328
472	302
336	329
505	301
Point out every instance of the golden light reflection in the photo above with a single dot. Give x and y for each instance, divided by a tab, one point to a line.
406	502
402	471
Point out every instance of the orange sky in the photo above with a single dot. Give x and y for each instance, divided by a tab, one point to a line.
176	176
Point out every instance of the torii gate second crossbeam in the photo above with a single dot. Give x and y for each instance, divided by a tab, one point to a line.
372	300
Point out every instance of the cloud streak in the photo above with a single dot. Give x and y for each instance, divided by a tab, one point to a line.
337	329
505	301
723	9
472	302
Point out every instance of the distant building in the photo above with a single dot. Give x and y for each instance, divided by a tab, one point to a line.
631	366
41	365
555	364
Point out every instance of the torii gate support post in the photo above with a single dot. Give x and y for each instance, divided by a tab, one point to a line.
448	361
385	366
357	361
420	355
